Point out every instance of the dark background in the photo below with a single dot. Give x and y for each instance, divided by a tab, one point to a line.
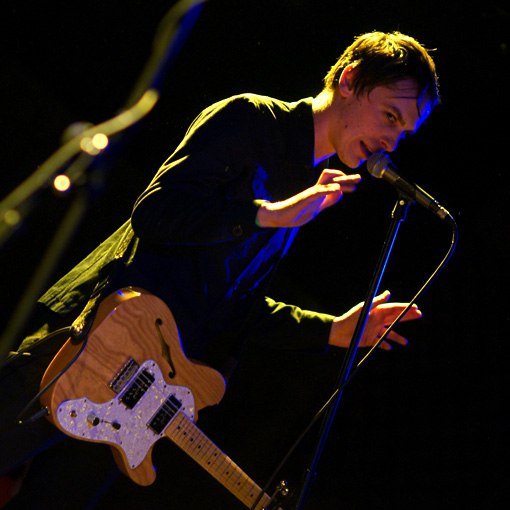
420	427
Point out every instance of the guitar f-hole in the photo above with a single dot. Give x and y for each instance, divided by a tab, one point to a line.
165	350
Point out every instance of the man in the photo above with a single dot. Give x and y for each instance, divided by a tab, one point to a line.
208	233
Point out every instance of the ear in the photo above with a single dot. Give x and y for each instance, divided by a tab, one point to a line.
345	87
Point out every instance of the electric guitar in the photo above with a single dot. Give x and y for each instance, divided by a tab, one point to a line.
133	385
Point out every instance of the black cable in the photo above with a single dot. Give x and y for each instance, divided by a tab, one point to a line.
25	352
361	363
44	411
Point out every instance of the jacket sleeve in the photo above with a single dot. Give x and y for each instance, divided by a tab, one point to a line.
202	194
282	326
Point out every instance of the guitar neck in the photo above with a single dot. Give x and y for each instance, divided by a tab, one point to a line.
185	434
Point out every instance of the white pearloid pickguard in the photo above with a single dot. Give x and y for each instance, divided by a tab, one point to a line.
113	423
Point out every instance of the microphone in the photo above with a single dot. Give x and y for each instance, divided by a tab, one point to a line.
379	165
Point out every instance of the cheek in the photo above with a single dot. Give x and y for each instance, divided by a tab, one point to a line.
360	123
356	129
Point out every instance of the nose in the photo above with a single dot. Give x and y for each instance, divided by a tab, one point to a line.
390	141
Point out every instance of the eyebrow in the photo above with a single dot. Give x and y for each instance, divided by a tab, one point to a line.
400	119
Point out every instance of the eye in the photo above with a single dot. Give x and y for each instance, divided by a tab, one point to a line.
391	117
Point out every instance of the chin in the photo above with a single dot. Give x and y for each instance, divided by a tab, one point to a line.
352	163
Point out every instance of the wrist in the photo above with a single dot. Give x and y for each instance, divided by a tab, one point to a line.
263	218
338	333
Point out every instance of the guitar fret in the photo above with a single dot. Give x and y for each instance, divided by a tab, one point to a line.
234	481
194	442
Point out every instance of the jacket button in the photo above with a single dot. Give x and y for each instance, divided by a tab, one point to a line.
237	231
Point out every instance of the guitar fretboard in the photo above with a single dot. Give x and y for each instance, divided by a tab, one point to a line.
183	432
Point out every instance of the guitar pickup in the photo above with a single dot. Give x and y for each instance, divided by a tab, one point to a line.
124	375
165	414
137	389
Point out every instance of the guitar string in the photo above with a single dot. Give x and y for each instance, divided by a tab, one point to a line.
187	439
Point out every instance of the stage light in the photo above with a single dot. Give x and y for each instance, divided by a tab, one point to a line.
100	141
62	183
94	145
12	217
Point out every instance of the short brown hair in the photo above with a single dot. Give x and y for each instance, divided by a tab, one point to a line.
384	58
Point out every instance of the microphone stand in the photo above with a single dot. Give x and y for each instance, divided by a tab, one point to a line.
398	215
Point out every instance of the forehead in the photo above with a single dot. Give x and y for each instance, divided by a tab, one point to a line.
403	95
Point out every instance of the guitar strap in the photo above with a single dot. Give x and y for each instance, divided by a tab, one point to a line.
82	324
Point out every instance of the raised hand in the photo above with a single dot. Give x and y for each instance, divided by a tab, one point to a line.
303	207
382	314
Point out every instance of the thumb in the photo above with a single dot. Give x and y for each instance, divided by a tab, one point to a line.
381	298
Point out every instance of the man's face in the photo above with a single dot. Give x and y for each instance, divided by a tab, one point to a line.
377	121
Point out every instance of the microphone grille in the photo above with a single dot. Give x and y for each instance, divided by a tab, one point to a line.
377	163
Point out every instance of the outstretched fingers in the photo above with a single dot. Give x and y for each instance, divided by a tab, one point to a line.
384	313
335	188
348	182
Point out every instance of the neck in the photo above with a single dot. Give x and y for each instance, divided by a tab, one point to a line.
321	106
